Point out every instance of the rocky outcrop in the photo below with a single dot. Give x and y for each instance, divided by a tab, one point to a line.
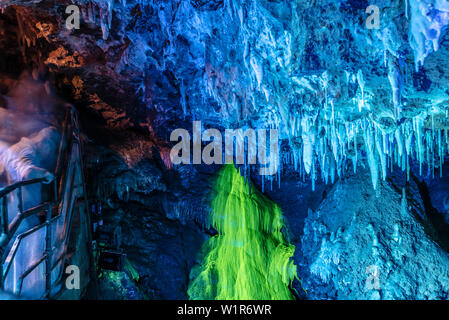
363	245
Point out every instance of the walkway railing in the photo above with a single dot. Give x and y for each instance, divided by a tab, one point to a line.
32	262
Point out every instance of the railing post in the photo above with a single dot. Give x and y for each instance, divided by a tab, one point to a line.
48	251
19	191
4	234
4	216
55	190
2	281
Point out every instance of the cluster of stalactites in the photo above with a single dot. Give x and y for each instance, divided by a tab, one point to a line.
329	148
98	11
427	20
324	149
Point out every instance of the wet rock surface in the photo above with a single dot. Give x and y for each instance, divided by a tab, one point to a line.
363	245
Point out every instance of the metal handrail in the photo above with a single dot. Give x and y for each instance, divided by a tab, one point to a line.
8	189
15	223
70	132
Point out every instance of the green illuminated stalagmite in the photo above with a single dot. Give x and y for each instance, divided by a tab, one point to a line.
249	258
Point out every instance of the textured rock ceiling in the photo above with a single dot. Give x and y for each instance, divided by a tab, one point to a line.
336	89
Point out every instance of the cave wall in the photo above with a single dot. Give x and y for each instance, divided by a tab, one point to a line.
137	70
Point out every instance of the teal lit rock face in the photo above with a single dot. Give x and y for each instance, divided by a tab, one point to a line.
341	84
358	245
249	258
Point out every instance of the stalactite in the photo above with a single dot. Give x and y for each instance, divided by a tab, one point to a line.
361	82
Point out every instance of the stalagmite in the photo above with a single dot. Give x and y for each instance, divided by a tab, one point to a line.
249	258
